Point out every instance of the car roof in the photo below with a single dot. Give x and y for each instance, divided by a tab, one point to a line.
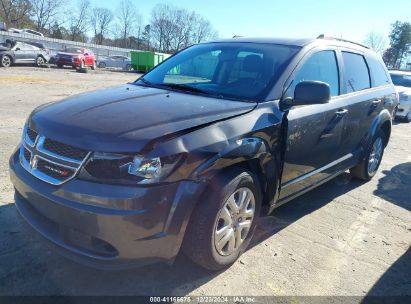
300	42
285	41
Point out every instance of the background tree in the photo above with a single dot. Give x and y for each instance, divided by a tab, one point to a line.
400	44
44	13
100	20
16	13
376	41
79	21
128	20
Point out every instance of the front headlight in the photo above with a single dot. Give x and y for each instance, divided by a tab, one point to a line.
128	169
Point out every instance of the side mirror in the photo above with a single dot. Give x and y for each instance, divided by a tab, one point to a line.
308	93
85	54
17	49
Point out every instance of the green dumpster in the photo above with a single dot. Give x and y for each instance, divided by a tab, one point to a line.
145	61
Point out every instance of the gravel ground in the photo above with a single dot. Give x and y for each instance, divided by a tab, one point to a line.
345	238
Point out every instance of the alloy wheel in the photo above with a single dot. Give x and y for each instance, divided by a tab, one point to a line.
5	61
375	156
234	221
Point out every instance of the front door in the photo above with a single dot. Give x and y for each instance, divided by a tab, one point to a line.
314	134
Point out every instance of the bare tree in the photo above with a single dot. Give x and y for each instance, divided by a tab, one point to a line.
45	12
376	41
15	12
100	21
174	28
128	19
79	21
203	30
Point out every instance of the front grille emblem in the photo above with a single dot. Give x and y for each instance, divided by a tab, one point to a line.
33	162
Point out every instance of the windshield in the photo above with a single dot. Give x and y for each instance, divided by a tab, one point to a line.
401	80
243	71
74	50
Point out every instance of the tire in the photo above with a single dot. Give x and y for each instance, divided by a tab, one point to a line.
82	65
5	61
40	61
212	217
60	66
408	117
93	67
129	67
374	154
102	65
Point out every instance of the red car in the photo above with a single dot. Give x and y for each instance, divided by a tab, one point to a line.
76	57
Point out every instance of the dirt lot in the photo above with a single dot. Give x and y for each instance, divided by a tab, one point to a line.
344	238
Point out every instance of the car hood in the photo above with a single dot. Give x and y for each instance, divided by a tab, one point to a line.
129	118
69	54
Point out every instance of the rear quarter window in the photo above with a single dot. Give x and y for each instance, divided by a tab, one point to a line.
356	74
378	74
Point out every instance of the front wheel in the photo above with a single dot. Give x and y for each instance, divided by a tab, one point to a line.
369	166
40	61
408	117
223	224
5	61
93	67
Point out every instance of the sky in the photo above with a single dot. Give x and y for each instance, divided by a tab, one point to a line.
349	19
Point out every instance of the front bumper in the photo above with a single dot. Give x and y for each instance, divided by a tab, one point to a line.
67	62
106	226
403	109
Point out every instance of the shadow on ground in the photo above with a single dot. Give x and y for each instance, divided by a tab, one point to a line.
27	267
395	186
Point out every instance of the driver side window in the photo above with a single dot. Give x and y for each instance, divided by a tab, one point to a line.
321	66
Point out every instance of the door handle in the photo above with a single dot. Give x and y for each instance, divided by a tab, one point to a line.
341	112
376	102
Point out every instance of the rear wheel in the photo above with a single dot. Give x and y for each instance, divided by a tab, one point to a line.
60	66
369	166
223	224
129	67
5	61
408	117
102	65
93	67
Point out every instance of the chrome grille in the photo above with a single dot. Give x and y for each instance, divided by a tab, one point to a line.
50	160
64	150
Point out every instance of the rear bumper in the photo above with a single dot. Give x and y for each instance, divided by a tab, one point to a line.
106	226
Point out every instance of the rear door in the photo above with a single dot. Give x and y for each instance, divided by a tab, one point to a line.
366	88
19	53
314	131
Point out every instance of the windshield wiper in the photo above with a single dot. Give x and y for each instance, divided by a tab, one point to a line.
184	87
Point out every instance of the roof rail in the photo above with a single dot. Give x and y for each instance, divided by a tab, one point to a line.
322	36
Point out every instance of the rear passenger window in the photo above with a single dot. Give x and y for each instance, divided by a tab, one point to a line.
378	74
321	66
356	75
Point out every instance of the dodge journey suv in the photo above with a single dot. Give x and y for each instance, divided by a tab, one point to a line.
187	157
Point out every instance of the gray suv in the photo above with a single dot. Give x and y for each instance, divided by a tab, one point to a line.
192	153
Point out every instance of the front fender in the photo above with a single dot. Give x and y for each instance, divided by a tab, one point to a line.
241	150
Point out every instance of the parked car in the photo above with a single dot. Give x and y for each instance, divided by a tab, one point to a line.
13	52
402	82
76	57
29	31
14	30
115	61
3	27
191	154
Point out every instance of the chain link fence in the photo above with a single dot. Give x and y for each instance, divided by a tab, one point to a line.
58	44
